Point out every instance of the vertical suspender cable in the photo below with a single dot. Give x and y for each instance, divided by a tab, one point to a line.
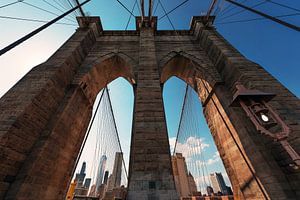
180	121
87	135
115	126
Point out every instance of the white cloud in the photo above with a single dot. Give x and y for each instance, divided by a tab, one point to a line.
214	159
193	146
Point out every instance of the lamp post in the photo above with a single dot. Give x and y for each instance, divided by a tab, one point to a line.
265	119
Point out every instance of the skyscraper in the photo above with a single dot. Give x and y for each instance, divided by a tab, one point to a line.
192	183
218	183
105	177
100	173
184	181
82	185
79	178
87	183
114	180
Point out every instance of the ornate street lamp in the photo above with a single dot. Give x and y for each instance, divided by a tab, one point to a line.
265	119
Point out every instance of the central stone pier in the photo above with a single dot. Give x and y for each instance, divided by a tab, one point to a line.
151	174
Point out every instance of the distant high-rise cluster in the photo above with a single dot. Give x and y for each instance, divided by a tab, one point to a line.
105	186
108	186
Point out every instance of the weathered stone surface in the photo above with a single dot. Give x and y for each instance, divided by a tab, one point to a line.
149	155
43	118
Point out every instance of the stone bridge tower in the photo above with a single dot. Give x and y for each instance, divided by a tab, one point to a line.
44	117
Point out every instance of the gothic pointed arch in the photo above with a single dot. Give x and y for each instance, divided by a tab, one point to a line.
60	137
215	99
96	73
190	69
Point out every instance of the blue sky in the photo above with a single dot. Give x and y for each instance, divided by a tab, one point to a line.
273	46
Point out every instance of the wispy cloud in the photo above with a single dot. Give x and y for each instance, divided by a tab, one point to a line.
192	146
214	159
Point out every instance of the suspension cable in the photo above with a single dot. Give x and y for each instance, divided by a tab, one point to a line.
256	19
181	117
34	20
286	24
53	6
130	15
125	7
36	31
172	10
116	130
155	8
159	1
39	8
283	5
227	10
243	10
71	6
59	4
87	135
76	2
9	4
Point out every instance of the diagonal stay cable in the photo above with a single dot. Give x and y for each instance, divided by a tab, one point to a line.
176	7
139	8
155	8
80	10
68	5
256	19
53	6
159	1
218	9
130	15
9	4
125	7
226	8
225	11
241	11
60	4
283	5
71	6
274	19
39	8
33	20
36	31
